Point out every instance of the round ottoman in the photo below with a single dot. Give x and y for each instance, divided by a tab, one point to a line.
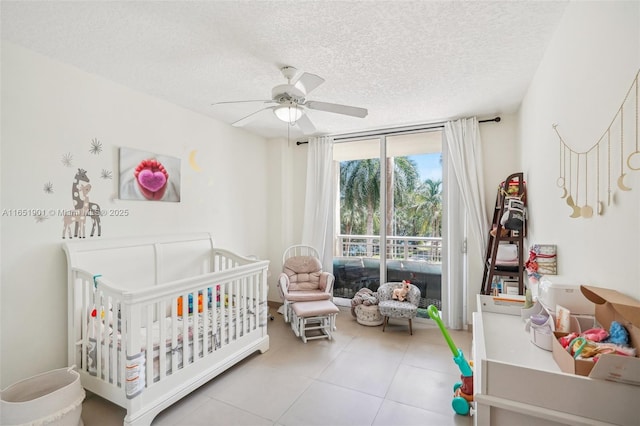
368	315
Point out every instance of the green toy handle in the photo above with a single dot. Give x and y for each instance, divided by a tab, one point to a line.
435	315
458	356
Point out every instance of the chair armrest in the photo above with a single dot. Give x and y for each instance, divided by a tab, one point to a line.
283	285
326	282
414	295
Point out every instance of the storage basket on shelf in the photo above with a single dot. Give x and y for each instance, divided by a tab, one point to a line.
51	398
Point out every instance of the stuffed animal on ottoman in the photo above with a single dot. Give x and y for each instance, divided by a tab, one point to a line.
400	293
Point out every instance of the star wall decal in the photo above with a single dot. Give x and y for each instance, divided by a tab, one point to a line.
96	146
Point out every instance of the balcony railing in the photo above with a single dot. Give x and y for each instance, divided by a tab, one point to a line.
416	259
428	249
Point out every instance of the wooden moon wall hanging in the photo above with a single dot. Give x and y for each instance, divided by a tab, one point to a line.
587	178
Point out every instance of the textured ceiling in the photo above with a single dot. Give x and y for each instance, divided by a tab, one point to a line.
407	62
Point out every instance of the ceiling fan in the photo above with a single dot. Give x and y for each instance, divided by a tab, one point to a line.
288	102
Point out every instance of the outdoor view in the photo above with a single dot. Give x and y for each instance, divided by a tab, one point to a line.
413	211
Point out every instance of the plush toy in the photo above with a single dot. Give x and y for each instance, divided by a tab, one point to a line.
401	292
364	296
618	334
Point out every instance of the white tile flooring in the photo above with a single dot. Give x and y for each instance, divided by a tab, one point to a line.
364	376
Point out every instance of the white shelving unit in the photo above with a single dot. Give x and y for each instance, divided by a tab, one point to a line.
516	382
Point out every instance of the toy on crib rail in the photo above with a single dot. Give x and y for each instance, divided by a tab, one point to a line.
99	324
462	391
401	292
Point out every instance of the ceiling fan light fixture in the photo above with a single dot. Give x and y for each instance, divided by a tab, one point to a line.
288	114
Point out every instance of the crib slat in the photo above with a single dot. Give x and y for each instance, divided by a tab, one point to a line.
96	333
205	321
223	314
234	309
243	306
233	312
106	335
250	311
122	349
254	302
174	336
149	353
105	338
113	349
185	327
162	341
215	308
84	325
233	320
196	323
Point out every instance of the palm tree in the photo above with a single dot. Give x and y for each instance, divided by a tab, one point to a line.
402	177
360	187
428	205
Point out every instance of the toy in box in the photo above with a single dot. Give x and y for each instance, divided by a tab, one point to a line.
618	316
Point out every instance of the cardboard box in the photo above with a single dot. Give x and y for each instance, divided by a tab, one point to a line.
610	305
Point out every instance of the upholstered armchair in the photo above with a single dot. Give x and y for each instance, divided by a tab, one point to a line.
302	278
390	308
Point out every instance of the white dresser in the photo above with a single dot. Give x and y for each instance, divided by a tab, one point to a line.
517	383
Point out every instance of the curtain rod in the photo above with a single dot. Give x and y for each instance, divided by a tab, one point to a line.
398	130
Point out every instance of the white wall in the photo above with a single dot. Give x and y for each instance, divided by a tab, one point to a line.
287	180
580	84
500	159
501	156
50	109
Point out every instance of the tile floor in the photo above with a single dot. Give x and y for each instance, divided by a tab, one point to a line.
364	376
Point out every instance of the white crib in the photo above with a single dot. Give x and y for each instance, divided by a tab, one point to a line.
153	318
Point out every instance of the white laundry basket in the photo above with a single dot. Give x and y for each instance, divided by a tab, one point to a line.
51	398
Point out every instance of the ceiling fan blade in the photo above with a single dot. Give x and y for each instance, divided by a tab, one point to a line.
306	125
242	102
307	82
337	109
249	118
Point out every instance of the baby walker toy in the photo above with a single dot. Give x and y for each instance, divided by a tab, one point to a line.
462	391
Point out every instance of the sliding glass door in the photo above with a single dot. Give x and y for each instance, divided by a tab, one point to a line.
356	261
389	214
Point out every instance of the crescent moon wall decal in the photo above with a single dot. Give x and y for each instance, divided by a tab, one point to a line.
629	162
192	161
570	202
564	192
600	209
621	184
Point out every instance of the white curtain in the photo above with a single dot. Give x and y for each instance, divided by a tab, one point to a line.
464	152
317	226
